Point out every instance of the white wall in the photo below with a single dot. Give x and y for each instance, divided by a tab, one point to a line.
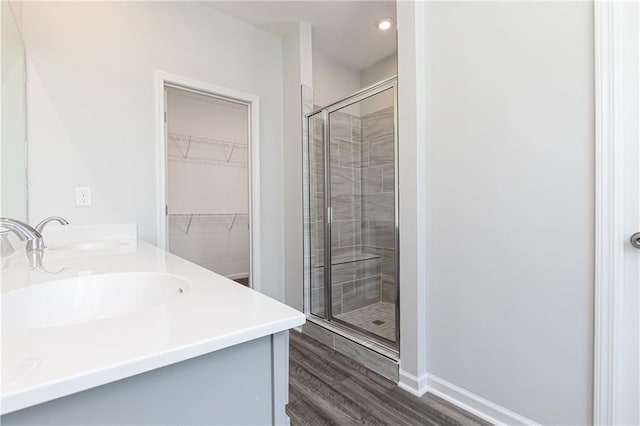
91	106
332	80
13	152
509	89
297	71
206	116
381	70
412	196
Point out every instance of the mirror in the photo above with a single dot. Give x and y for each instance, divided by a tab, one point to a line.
13	147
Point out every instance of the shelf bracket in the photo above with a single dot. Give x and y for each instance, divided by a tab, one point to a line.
231	154
235	216
186	153
189	224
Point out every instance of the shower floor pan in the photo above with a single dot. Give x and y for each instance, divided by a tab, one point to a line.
378	318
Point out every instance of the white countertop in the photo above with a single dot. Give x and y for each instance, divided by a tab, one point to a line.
44	363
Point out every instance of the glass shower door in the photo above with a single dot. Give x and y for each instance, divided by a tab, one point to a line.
361	197
351	224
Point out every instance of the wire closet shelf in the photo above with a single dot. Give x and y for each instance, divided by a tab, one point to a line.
228	219
199	149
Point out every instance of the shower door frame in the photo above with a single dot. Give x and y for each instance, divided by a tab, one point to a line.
368	92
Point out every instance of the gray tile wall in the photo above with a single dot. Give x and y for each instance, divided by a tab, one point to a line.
378	195
346	191
357	280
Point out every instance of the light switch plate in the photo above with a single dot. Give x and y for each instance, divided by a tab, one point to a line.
83	197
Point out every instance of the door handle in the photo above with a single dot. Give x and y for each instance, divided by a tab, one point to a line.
635	240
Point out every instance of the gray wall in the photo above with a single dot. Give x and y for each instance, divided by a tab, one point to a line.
510	121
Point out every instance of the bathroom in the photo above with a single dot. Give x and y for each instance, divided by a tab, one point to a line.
364	226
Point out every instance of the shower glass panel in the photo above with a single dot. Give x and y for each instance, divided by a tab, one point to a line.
316	213
353	213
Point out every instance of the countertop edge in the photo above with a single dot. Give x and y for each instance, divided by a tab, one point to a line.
47	392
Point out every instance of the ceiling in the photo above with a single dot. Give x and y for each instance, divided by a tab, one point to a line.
342	30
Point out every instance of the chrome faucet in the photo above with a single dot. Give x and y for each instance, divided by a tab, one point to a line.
24	233
43	222
6	248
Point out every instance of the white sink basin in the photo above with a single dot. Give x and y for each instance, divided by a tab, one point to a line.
91	298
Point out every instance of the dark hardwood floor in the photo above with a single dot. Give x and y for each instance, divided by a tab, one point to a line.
243	281
327	388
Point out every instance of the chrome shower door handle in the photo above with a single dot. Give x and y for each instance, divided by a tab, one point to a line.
635	240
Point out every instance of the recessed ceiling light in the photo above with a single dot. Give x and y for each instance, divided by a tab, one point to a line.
384	24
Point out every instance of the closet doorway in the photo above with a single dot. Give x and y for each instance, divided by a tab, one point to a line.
207	158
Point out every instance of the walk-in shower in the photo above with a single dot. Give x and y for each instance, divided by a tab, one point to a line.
351	220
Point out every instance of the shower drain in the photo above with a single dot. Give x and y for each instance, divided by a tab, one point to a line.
378	322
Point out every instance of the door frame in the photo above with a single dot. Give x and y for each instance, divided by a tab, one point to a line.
390	83
164	79
614	37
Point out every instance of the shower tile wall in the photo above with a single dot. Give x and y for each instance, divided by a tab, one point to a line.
356	276
345	184
362	196
378	195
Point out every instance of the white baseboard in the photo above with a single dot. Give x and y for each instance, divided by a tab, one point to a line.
473	403
414	385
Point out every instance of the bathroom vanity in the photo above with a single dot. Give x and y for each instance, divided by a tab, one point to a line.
117	331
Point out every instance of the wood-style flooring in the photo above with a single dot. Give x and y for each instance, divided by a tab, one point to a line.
327	388
243	281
